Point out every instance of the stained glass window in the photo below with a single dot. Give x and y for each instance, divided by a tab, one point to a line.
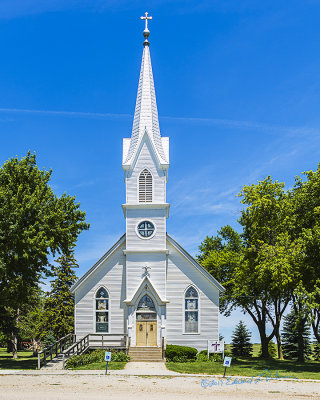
191	313
102	310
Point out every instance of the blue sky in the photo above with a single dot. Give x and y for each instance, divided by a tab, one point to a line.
238	92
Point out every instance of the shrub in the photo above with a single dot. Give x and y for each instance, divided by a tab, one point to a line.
178	353
203	356
96	356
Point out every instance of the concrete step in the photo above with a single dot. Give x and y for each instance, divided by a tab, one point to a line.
146	354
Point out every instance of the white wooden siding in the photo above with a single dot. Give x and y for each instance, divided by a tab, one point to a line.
157	216
110	274
146	160
135	273
181	274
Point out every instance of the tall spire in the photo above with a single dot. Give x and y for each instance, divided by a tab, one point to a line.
146	112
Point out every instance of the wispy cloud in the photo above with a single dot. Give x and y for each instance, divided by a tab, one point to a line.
238	124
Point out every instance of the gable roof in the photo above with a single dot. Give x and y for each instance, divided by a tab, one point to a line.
139	289
176	245
195	263
98	263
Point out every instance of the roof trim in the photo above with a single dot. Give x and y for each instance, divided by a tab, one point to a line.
138	290
195	263
98	263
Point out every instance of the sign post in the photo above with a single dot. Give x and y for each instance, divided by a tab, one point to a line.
226	363
107	357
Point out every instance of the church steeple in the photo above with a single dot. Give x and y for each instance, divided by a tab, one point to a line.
146	113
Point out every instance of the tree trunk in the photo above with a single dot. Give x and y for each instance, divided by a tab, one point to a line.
14	336
14	342
279	344
264	343
34	347
300	341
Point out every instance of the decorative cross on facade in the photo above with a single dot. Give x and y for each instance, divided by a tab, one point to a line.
146	19
146	270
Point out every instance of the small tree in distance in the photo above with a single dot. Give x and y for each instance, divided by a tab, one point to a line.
295	329
241	345
59	306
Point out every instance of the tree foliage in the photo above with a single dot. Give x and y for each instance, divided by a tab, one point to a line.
241	345
59	305
294	328
34	225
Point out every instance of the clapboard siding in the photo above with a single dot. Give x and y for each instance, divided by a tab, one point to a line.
181	274
146	160
112	275
135	273
157	216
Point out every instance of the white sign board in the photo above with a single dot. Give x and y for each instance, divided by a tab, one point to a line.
107	356
227	361
215	346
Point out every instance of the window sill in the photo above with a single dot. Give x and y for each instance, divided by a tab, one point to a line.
186	333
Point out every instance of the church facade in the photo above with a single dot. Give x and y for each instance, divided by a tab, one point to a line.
147	286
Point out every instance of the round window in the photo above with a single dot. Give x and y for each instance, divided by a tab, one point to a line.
146	229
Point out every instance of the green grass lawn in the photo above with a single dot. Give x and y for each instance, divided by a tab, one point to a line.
102	365
25	360
251	367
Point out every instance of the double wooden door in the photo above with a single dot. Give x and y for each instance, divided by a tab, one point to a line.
146	333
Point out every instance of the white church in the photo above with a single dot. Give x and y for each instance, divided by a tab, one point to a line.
146	287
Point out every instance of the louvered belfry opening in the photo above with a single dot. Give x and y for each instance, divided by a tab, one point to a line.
145	187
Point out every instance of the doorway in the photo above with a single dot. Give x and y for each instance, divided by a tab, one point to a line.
146	333
146	322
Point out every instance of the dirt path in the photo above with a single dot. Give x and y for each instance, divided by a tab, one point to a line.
89	387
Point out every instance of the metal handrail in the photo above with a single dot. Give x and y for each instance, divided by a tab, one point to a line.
55	349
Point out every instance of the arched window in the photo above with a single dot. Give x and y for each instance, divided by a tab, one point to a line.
102	310
145	187
146	309
191	311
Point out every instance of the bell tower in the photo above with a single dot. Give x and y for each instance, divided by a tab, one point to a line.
145	164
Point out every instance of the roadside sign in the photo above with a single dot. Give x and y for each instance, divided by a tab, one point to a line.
227	361
107	356
216	346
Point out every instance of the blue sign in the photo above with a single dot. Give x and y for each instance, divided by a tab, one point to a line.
227	361
107	356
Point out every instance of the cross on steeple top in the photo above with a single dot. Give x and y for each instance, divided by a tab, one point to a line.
146	20
146	31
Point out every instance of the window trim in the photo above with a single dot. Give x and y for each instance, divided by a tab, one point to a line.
138	186
148	220
184	311
95	310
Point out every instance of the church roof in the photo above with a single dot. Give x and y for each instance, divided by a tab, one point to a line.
176	245
146	111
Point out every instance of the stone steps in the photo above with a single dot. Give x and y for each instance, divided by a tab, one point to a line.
147	354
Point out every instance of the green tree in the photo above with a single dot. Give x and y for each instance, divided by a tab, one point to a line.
306	205
31	322
256	267
34	225
294	328
241	345
59	305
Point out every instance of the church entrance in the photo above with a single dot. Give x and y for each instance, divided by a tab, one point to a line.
146	322
146	333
